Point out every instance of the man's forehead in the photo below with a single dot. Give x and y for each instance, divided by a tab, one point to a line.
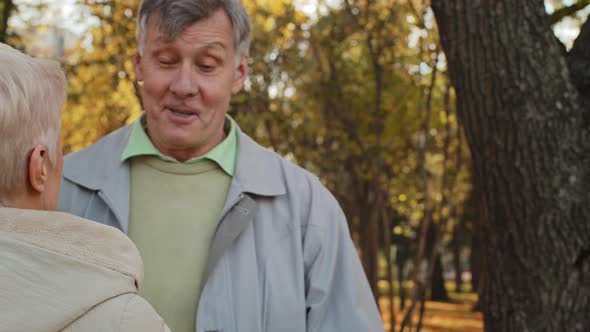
161	32
163	41
164	34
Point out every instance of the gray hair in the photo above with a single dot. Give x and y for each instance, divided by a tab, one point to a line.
177	15
32	95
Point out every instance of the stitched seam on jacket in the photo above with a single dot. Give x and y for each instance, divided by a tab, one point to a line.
89	310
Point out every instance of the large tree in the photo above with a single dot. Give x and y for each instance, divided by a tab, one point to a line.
6	9
521	100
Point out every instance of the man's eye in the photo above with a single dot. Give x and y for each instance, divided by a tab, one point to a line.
207	67
166	62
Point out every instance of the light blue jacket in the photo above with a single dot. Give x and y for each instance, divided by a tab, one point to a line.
281	258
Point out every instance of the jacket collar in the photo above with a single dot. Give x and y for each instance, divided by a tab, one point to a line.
99	167
258	170
94	167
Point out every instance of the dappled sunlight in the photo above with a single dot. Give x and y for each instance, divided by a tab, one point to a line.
454	316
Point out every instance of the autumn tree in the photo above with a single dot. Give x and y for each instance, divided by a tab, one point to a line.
344	95
521	98
102	91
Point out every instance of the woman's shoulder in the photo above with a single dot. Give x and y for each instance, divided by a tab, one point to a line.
126	313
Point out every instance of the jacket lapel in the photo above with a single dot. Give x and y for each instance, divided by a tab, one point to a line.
258	173
115	193
99	168
234	223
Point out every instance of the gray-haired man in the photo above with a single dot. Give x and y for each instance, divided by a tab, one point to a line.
233	237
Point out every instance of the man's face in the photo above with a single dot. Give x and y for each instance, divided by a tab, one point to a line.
187	85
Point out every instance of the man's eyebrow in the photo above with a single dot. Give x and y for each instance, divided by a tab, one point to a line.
162	41
214	45
213	49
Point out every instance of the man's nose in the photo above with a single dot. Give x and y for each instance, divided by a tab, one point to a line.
185	82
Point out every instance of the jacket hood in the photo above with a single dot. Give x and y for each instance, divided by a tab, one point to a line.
55	267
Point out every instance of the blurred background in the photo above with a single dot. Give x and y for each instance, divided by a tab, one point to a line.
355	91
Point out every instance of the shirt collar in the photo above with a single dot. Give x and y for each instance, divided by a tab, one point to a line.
224	154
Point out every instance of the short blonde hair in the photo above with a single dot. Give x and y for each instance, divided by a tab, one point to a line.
32	95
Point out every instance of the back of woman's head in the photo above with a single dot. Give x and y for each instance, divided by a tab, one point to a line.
32	94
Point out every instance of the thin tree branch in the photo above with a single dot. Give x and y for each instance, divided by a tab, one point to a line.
564	12
422	258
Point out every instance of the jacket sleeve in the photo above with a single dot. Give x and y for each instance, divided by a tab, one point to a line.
140	316
338	295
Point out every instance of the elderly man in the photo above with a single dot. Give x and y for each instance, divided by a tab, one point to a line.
58	272
233	237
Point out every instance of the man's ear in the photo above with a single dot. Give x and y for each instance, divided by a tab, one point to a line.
137	66
240	75
38	168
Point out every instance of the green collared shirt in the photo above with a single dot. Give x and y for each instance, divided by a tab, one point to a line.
224	154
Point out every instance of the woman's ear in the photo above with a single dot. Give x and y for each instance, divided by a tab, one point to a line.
38	168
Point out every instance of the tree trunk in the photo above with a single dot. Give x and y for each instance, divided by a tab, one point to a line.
438	292
457	266
578	61
525	128
475	261
369	238
476	258
387	241
5	12
400	281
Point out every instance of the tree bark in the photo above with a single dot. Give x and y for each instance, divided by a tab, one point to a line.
475	260
524	124
578	61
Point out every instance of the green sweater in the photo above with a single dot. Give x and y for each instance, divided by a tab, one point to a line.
174	210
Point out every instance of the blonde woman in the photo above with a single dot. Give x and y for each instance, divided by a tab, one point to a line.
58	272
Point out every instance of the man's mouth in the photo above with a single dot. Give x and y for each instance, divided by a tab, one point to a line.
179	112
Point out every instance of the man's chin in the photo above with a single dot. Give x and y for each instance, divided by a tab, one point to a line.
182	144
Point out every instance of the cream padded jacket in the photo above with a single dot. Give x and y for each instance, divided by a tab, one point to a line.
59	272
